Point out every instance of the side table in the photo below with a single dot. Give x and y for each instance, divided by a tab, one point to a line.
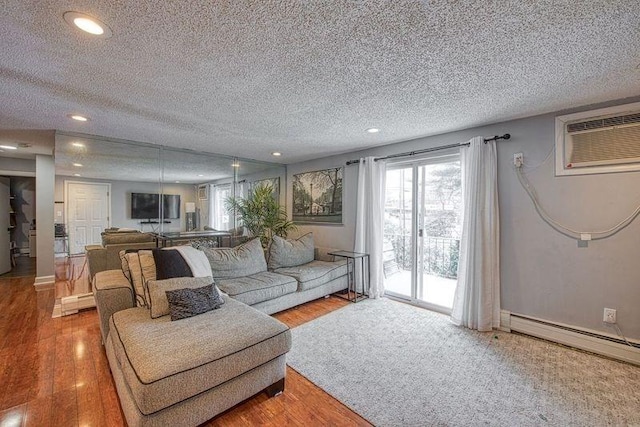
364	276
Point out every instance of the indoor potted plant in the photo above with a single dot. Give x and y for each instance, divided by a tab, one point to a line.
261	214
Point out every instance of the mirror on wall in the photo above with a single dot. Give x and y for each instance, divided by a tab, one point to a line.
102	184
115	183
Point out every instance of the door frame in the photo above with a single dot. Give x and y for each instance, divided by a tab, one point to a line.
67	183
416	193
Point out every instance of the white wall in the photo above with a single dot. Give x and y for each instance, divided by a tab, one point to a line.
121	200
543	273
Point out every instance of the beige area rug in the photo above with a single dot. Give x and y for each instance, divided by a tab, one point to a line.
399	365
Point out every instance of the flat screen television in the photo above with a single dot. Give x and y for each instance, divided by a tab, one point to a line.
147	206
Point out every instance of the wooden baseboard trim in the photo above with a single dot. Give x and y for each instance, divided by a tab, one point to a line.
44	283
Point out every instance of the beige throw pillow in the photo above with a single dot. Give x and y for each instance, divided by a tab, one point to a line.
125	265
290	253
141	268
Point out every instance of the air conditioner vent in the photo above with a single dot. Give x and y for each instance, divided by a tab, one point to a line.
619	145
600	141
603	123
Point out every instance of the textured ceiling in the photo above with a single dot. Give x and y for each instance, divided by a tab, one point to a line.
308	77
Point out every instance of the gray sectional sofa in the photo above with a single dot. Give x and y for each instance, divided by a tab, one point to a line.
187	371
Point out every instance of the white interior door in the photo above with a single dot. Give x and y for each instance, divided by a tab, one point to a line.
88	213
5	208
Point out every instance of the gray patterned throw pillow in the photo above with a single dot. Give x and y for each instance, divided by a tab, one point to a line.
157	290
188	302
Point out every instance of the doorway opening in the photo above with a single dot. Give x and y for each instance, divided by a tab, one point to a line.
422	229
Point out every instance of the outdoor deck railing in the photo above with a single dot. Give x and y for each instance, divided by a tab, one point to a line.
439	254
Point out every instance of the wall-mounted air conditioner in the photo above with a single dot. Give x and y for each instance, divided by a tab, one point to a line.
599	141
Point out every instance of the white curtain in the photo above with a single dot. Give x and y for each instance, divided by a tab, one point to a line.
476	304
369	219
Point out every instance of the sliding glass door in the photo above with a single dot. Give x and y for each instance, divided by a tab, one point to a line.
422	228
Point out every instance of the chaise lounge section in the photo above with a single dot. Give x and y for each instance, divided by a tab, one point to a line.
187	371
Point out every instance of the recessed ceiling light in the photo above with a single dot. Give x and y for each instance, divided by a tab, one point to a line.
87	24
200	174
177	182
78	165
235	164
78	144
373	130
76	174
9	147
276	153
78	117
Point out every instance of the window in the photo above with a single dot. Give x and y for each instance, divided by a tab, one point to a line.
219	218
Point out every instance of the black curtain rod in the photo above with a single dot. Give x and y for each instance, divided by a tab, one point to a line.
429	150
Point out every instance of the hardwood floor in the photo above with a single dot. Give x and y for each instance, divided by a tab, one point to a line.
54	372
25	266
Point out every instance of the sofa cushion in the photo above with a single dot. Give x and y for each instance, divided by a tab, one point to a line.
258	287
158	303
189	302
243	260
315	273
165	362
290	253
110	279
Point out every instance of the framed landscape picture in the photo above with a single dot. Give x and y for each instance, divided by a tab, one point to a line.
317	196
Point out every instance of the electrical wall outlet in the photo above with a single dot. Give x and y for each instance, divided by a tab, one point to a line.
609	315
518	159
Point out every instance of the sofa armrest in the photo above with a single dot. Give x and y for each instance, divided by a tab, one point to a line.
321	253
96	259
113	293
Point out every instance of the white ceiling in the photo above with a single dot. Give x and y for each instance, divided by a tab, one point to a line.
308	77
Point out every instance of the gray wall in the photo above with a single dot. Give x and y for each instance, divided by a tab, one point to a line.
45	179
543	273
121	200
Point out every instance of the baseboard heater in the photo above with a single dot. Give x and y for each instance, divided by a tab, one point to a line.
73	304
584	339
